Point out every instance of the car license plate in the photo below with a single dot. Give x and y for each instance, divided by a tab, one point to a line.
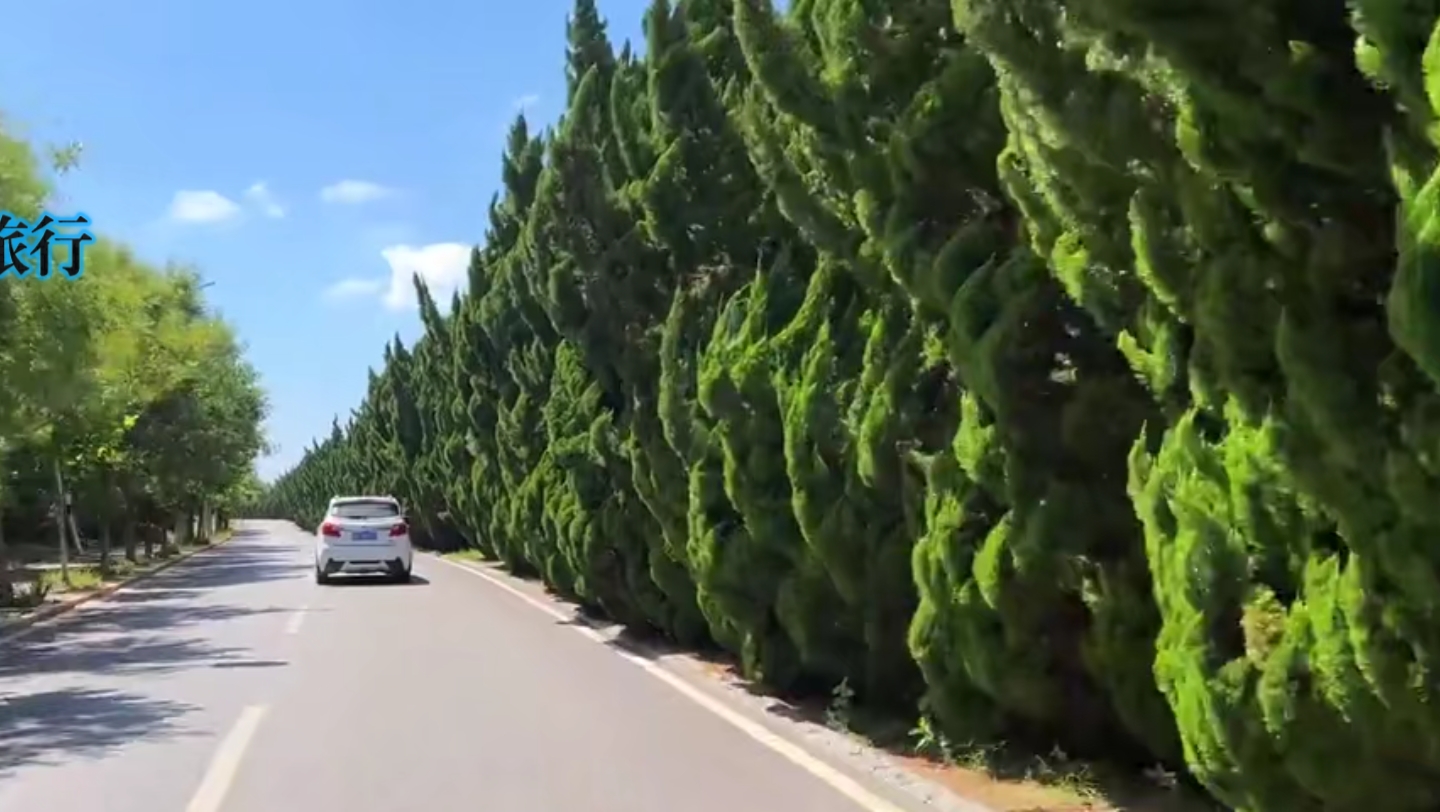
364	535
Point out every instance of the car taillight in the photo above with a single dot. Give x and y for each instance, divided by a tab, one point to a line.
330	529
399	530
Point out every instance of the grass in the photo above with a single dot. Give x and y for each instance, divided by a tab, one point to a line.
121	567
1076	783
467	554
1065	782
83	578
1074	780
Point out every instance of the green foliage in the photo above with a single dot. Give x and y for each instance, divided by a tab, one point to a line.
121	383
1061	372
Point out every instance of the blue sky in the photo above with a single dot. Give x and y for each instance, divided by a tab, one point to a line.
211	132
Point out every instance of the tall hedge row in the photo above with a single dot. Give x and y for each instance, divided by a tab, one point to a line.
1066	370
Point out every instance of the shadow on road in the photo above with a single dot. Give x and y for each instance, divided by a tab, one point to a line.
375	580
127	633
139	631
151	617
42	727
118	655
141	594
230	567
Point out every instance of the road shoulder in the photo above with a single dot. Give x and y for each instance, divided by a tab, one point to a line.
831	755
993	784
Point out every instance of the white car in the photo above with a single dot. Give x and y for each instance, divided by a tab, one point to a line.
363	535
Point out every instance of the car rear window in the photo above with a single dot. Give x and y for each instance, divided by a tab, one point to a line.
369	509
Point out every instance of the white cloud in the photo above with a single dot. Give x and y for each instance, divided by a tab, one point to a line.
260	196
526	103
353	191
202	207
443	266
354	288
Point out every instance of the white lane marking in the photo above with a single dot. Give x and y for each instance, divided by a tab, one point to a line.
226	762
293	627
544	607
792	752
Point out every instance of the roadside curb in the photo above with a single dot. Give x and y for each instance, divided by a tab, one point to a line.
21	625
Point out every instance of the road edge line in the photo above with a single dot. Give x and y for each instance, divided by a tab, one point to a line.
22	626
827	774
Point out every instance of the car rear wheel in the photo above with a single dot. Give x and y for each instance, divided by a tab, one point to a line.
401	577
320	576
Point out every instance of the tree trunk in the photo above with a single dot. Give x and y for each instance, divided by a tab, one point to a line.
105	530
60	517
182	528
127	531
7	587
74	527
7	584
113	504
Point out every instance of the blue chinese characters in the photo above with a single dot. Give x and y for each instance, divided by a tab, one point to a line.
27	249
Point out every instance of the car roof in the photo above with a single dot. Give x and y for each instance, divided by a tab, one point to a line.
346	500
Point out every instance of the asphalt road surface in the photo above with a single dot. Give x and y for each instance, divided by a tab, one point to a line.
233	683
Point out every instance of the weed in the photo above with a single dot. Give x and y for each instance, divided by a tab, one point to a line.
1055	771
842	702
81	578
121	567
1071	777
927	740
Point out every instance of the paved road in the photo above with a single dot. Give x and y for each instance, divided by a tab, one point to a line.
234	683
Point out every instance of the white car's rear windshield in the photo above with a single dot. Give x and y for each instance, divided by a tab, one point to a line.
366	509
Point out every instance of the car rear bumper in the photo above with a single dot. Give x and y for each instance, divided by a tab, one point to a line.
362	558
